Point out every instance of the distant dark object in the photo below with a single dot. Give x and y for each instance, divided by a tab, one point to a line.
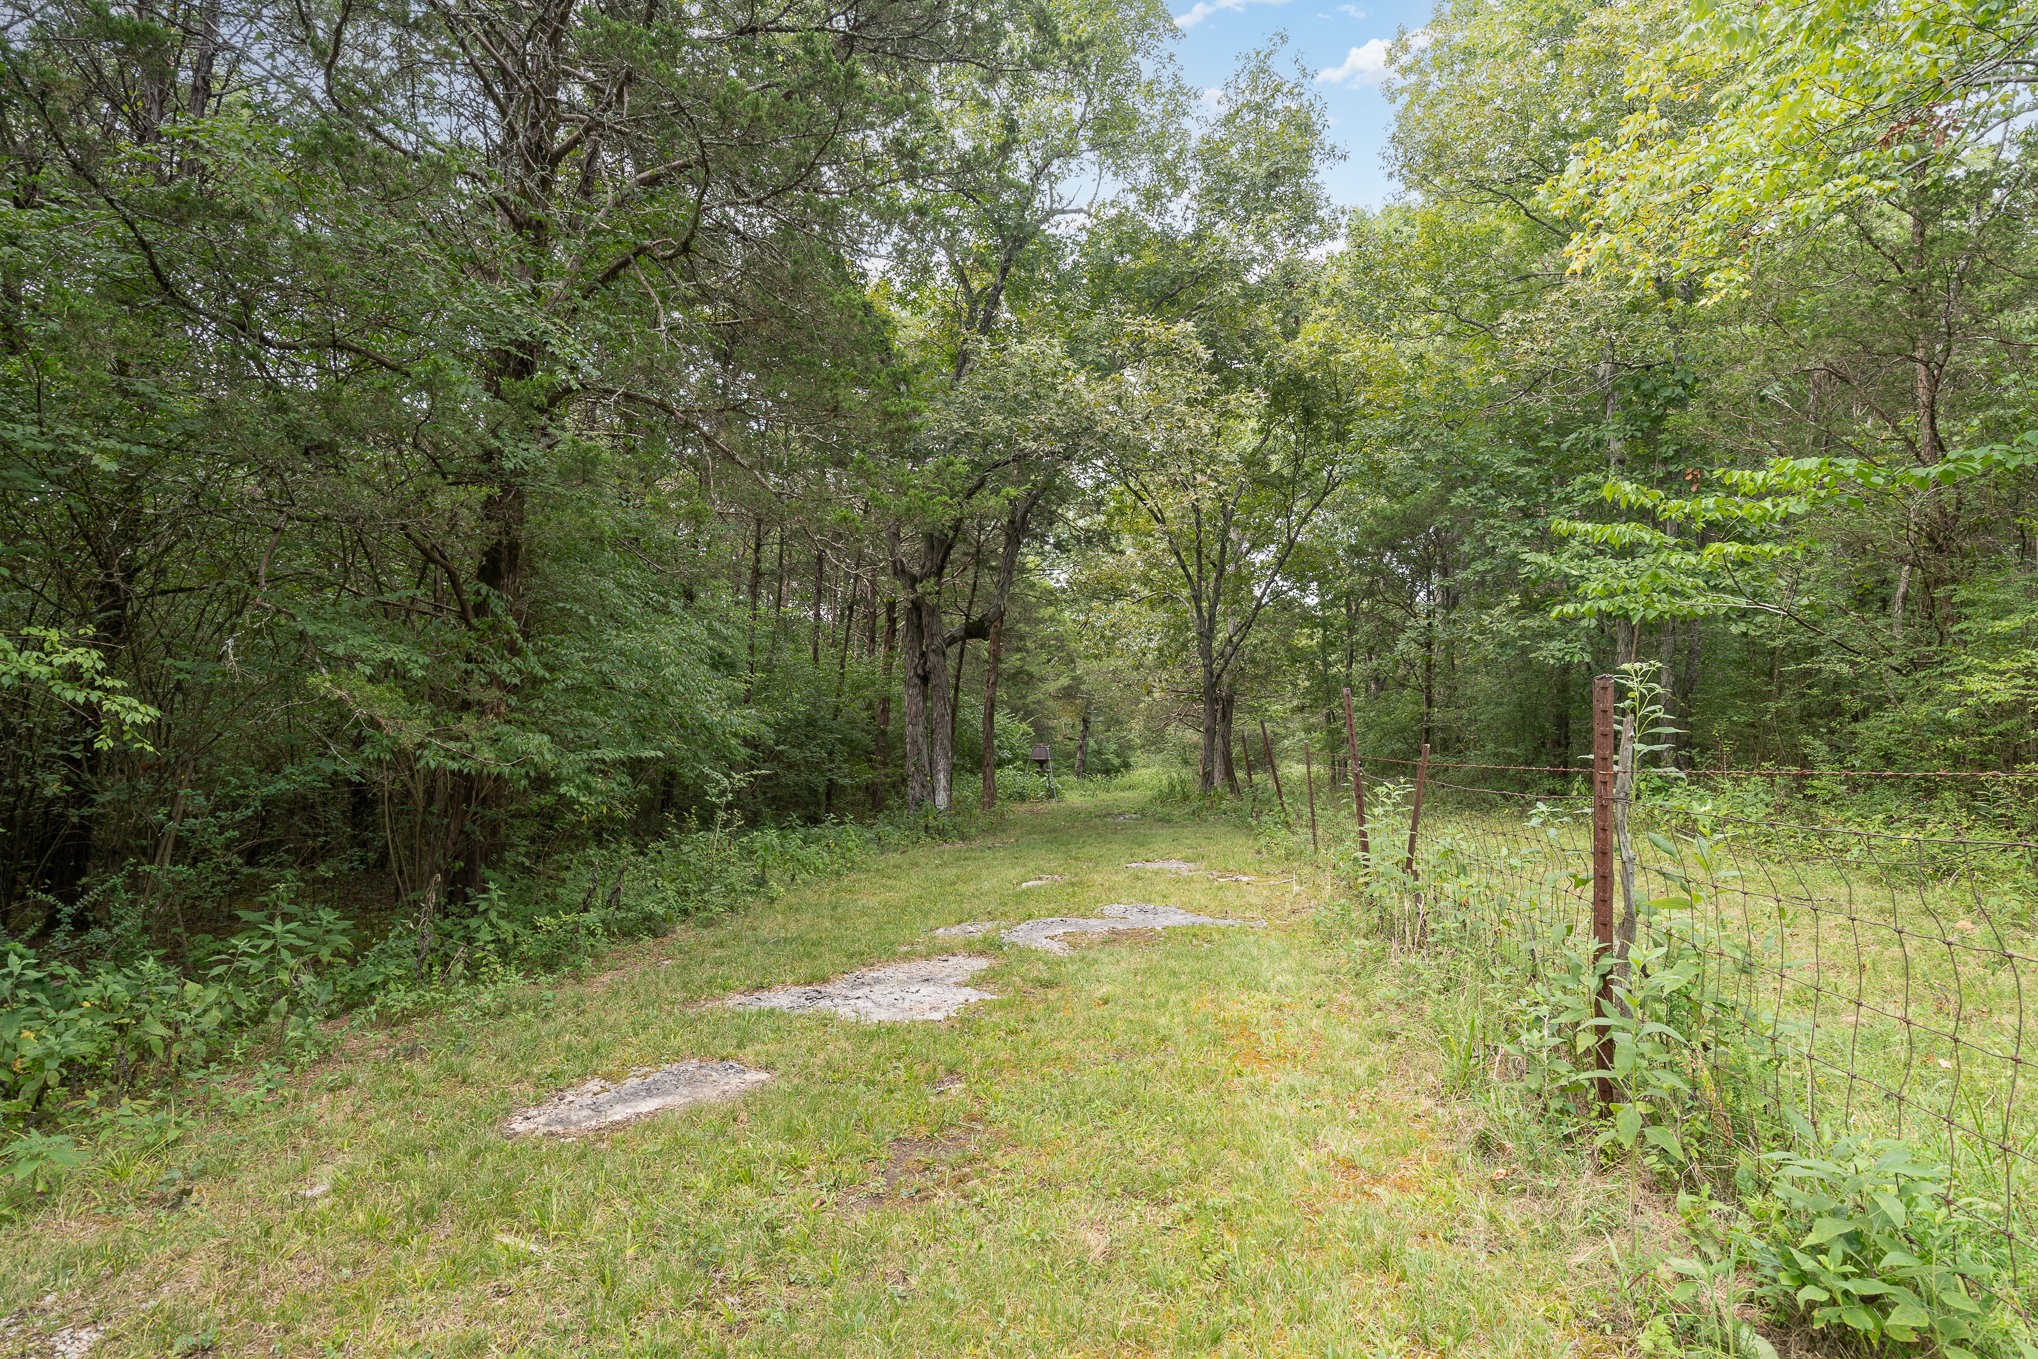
1043	763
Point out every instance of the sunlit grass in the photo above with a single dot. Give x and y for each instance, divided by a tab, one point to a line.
1218	1141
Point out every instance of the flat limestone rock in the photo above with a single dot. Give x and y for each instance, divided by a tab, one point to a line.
928	988
74	1342
1046	934
967	929
1042	880
1233	877
597	1104
1164	865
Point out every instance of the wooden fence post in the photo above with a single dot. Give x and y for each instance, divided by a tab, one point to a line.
1273	769
1358	783
1415	809
1602	869
1309	778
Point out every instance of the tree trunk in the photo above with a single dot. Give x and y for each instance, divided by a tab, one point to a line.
477	799
1666	658
940	709
1429	673
1562	698
992	651
881	712
1083	741
1227	701
777	601
976	579
930	721
1206	766
756	585
1687	694
913	679
820	584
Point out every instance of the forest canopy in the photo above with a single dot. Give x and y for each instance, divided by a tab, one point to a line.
442	439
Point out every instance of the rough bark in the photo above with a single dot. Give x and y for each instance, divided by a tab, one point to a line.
881	711
992	654
1206	762
1226	703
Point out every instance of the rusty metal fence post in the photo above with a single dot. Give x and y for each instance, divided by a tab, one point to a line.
1273	768
1602	869
1358	783
1309	778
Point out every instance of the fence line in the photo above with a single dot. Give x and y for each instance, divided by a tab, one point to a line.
1812	982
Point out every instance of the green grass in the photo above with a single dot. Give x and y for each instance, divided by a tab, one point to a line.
1213	1141
1888	976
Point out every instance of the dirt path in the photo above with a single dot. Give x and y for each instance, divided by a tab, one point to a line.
1199	1141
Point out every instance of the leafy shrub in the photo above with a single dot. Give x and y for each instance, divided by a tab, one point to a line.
1862	1237
1867	1238
1025	784
282	966
61	1026
39	1161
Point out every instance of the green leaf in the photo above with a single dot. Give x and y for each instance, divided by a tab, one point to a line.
1909	1314
1827	1229
1749	1342
1666	1139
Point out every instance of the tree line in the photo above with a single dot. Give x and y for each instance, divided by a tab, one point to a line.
437	436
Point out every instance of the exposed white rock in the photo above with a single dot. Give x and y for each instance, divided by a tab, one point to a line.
929	988
1046	934
597	1104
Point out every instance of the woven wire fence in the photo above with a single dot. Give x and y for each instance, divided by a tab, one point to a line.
1853	981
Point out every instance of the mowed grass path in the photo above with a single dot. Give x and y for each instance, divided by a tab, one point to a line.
1208	1141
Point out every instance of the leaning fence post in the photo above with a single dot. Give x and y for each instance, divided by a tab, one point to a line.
1309	778
1273	768
1358	783
1408	863
1602	870
1415	808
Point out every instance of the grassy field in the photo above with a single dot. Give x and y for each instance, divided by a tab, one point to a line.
1878	980
1208	1141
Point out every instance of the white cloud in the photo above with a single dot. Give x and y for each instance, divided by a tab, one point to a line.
1362	66
1368	65
1203	9
1351	11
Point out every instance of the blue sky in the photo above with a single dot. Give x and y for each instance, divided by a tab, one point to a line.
1342	44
